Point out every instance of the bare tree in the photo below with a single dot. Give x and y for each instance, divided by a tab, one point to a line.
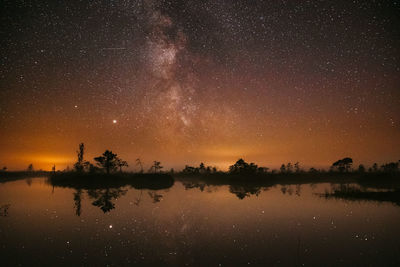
138	162
156	167
121	163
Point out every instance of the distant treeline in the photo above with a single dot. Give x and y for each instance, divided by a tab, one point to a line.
109	162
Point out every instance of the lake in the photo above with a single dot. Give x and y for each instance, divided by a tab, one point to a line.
191	224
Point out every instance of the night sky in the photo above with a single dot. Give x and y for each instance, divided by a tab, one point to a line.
189	81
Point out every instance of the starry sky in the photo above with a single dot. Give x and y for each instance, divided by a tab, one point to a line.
189	81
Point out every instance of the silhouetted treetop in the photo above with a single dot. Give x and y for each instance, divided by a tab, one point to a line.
121	163
390	167
242	167
80	165
30	168
108	161
342	164
156	167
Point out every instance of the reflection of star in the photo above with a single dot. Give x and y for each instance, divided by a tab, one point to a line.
114	121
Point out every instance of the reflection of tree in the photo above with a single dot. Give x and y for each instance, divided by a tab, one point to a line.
244	191
156	197
298	190
288	189
357	193
139	199
4	210
190	185
103	197
77	202
283	189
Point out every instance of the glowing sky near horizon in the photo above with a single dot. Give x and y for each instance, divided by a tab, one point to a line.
189	81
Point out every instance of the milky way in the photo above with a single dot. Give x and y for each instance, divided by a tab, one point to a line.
191	81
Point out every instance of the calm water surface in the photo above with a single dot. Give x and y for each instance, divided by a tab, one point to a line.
193	226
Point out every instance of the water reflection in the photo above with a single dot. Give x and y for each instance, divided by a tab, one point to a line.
244	191
28	181
104	190
138	199
155	197
288	189
195	223
103	197
78	202
4	210
352	192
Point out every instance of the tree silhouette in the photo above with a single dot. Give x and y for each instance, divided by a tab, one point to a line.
156	167
262	170
297	167
375	167
347	162
80	164
202	168
30	168
242	167
289	167
208	169
138	162
361	168
283	168
390	167
121	163
190	170
342	164
108	161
